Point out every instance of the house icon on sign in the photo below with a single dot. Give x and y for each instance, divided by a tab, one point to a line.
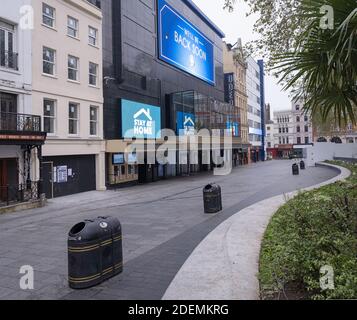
145	112
188	122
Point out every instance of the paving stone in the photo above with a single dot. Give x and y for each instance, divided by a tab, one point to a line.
5	292
162	224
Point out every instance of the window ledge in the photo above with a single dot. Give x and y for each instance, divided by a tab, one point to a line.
93	46
9	70
74	38
94	87
49	75
49	27
73	81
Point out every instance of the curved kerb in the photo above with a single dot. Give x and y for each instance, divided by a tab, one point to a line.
225	265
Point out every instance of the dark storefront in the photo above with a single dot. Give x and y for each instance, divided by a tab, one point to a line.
66	175
135	68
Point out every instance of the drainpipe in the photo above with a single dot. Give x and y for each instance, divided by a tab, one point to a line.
40	182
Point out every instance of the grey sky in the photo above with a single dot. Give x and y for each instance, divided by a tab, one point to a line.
236	25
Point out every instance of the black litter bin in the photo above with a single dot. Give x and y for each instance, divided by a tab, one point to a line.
302	165
212	198
295	169
95	252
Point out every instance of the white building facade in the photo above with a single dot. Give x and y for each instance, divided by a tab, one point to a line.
254	106
21	135
292	127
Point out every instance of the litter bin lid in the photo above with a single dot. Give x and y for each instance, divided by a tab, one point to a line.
211	187
90	230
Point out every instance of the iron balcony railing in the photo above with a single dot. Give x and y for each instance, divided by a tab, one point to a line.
25	192
9	60
19	122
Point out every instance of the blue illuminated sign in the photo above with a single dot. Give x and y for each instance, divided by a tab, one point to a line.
139	120
234	128
118	158
185	123
183	46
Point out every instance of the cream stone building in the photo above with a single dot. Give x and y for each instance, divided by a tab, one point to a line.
234	62
67	92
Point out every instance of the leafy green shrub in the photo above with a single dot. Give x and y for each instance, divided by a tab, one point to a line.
315	229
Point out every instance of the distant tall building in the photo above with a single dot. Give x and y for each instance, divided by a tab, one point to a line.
255	112
267	113
269	130
262	105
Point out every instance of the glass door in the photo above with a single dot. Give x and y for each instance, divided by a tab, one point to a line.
7	52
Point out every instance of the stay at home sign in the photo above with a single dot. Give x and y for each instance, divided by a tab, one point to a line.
183	46
140	120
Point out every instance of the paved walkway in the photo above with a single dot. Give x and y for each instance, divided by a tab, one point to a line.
230	254
162	224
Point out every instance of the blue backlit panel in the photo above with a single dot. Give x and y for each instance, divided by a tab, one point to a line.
183	46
